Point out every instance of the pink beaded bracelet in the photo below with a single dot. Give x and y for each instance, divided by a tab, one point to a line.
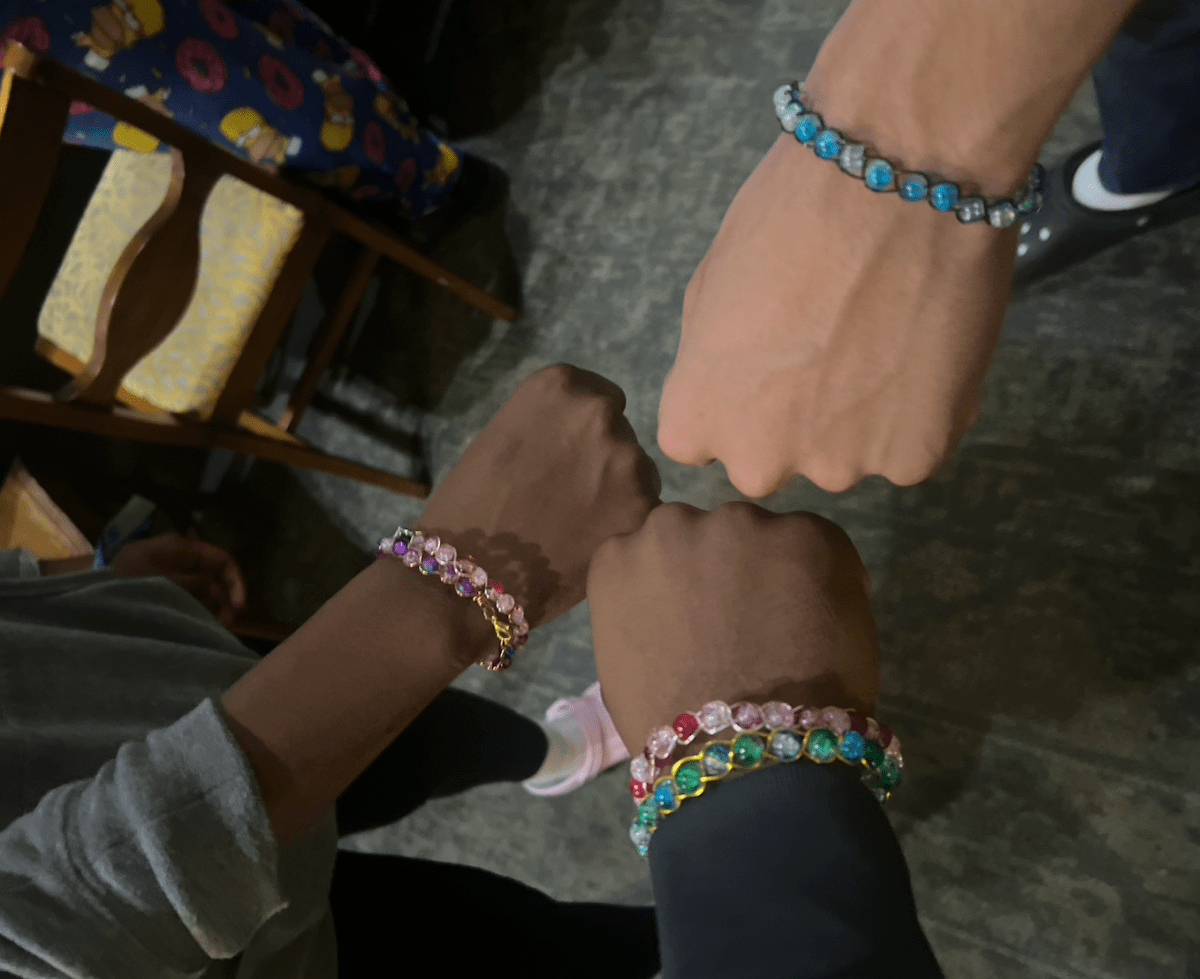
717	716
431	556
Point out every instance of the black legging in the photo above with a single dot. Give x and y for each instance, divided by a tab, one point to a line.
467	920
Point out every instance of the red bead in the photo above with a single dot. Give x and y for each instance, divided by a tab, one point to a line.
496	587
885	735
685	727
858	724
638	789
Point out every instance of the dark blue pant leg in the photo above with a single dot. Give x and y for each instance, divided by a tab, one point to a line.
1148	87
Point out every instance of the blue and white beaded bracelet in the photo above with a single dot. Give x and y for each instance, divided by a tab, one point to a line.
882	175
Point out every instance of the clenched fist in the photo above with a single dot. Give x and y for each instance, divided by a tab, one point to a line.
736	604
557	471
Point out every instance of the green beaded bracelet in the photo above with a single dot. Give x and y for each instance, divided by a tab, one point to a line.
690	776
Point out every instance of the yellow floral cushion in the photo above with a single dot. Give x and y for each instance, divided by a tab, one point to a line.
245	236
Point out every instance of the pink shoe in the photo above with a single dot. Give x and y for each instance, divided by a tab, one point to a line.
604	746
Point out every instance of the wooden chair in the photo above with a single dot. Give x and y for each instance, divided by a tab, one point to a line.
153	281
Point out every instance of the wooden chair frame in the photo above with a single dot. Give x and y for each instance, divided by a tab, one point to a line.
152	283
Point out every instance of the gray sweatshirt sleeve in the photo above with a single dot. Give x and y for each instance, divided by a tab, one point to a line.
162	861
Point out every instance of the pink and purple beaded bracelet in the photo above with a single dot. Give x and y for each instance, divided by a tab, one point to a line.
431	556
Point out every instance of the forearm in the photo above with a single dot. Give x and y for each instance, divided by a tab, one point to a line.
965	88
322	706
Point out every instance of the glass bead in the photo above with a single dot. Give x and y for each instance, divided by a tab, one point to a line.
714	716
641	837
852	158
969	210
687	777
871	779
505	603
893	748
1031	203
647	814
429	565
807	717
666	796
479	578
685	727
399	548
873	754
446	554
1002	214
822	745
789	117
943	196
449	576
640	769
748	750
717	760
828	144
884	735
835	719
431	545
872	729
746	717
889	775
852	745
464	588
777	714
417	542
785	745
661	742
807	127
412	557
913	186
858	723
879	175
403	535
637	789
783	95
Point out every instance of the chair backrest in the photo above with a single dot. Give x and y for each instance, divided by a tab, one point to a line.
153	280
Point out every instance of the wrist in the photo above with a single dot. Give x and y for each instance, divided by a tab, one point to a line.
454	626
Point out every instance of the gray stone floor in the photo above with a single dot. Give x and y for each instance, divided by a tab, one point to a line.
1038	598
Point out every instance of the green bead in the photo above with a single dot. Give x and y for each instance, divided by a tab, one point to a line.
889	774
822	745
718	759
874	754
748	750
647	814
688	777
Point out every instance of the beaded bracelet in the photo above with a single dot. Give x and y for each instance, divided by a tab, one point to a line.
690	776
717	716
882	176
431	556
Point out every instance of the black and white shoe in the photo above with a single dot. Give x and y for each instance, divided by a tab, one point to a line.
1065	232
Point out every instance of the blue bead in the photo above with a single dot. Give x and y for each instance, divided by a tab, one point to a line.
879	175
807	127
913	188
828	144
666	798
852	746
943	196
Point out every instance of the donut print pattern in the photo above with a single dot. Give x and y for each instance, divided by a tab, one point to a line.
29	31
282	84
219	18
199	64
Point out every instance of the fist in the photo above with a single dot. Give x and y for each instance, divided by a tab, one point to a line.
557	471
737	604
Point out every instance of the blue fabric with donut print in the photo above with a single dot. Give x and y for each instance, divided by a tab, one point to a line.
266	79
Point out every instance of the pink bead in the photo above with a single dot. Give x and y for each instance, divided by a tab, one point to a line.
431	545
446	554
872	729
807	718
479	577
893	748
746	717
714	716
836	719
641	770
467	567
412	557
777	714
417	542
505	603
661	742
449	576
518	616
521	628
